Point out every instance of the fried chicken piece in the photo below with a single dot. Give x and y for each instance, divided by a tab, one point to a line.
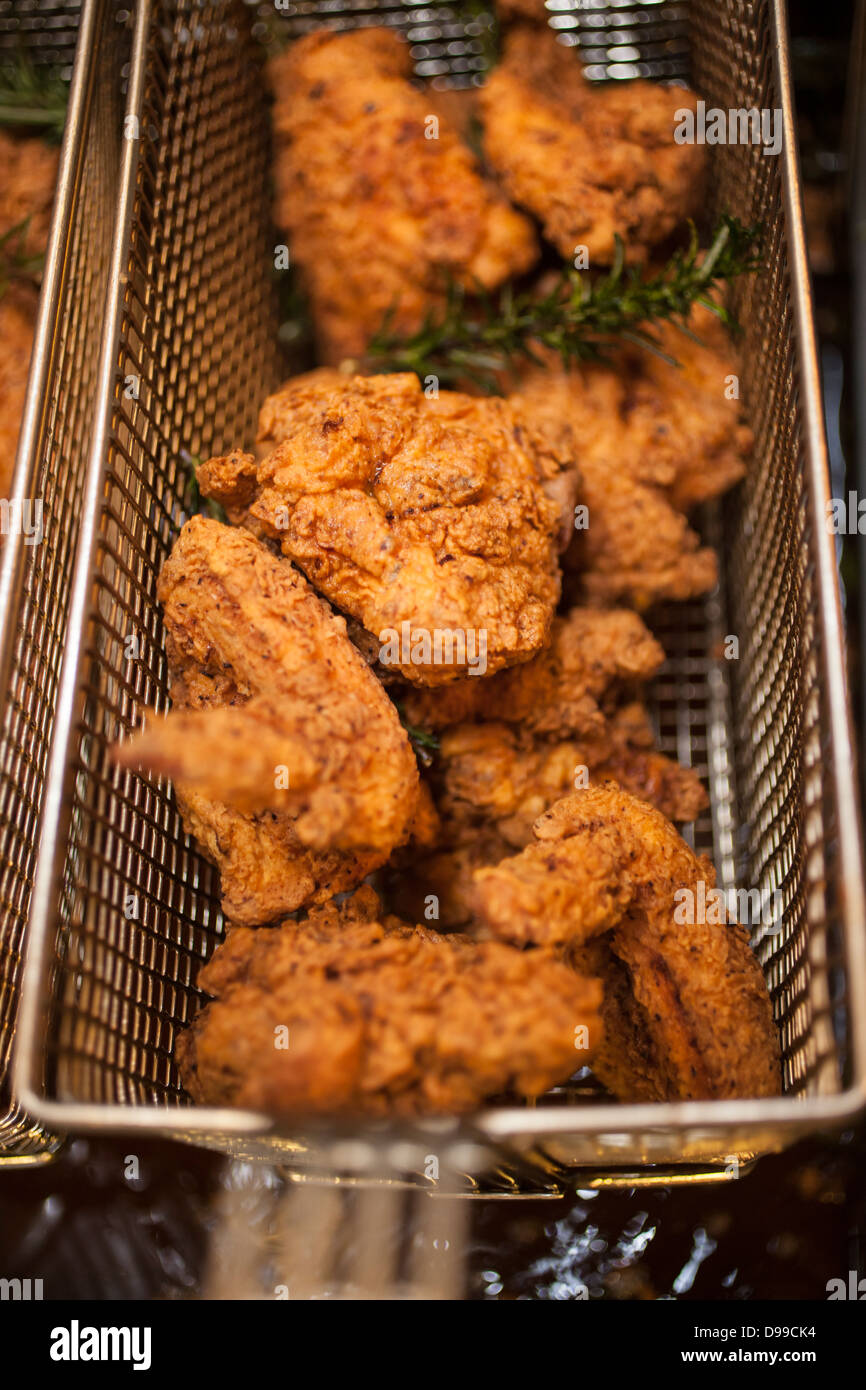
702	998
265	870
17	323
592	653
492	782
492	773
635	548
590	162
667	426
279	729
631	545
686	415
425	520
380	210
299	401
27	190
382	1019
625	1060
439	886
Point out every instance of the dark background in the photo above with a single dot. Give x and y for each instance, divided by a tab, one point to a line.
779	1232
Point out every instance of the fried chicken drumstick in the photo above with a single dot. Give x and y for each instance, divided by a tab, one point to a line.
381	1018
294	771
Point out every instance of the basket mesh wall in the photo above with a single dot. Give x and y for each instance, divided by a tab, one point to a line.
198	349
46	34
196	354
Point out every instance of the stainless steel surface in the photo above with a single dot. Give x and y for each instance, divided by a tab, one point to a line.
190	323
51	463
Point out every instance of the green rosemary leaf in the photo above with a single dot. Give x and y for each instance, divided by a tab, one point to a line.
581	318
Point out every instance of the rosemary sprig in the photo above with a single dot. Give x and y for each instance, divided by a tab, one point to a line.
15	262
33	98
479	335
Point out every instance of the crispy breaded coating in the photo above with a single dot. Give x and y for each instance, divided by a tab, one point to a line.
27	189
425	520
592	653
491	772
702	998
625	1060
635	547
380	206
590	162
381	1018
675	427
491	783
279	729
630	544
265	870
17	323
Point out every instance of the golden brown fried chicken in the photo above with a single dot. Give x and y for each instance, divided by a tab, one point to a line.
699	990
27	190
490	772
380	1018
424	519
17	322
492	782
590	162
675	427
294	771
592	653
635	548
631	545
626	1060
381	204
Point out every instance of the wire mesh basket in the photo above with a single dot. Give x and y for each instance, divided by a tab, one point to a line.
188	351
35	580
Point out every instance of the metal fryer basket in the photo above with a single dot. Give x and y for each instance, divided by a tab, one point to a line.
35	581
125	909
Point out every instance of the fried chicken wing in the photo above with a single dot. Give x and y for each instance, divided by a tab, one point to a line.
279	728
590	162
698	989
626	1060
380	1018
381	203
425	520
265	870
592	654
